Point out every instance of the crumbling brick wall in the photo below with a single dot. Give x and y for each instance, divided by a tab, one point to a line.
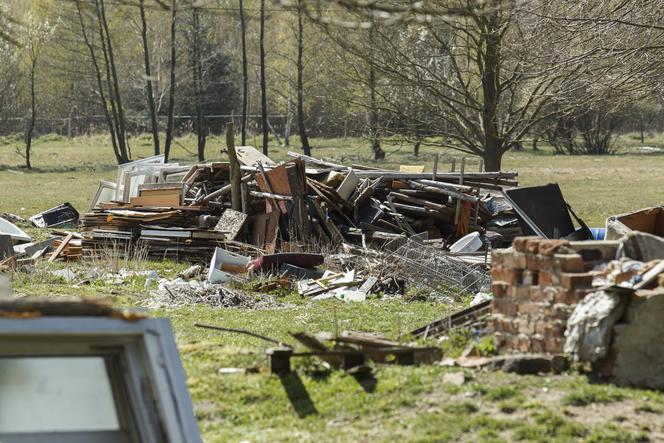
536	285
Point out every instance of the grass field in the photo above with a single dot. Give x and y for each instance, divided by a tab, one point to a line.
398	403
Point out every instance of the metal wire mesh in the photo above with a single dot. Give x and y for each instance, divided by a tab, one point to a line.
437	271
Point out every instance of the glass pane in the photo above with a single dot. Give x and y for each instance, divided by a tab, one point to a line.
55	394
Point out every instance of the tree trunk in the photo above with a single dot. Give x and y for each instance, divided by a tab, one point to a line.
492	158
171	92
302	129
123	141
245	75
100	85
198	85
33	114
264	122
379	154
535	140
493	143
289	120
148	79
416	148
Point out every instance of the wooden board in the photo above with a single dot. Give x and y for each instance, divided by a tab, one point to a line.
411	168
248	156
231	222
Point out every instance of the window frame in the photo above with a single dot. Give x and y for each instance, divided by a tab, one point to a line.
149	388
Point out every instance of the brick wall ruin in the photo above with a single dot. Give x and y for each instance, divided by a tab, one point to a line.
536	285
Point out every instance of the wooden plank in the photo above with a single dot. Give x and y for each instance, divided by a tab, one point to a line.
299	221
329	226
231	222
249	156
411	168
348	186
62	246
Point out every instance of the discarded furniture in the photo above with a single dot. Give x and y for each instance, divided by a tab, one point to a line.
648	220
63	215
543	211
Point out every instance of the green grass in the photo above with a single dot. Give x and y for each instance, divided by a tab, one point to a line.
592	394
399	403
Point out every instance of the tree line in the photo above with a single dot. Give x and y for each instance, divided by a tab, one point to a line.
480	77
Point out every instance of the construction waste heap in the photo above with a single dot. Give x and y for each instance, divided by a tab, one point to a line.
541	281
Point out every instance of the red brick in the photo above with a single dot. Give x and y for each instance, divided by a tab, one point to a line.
572	296
505	341
556	329
516	260
559	311
523	343
519	243
550	247
541	327
532	245
500	289
548	278
505	306
538	262
551	294
525	326
554	345
568	262
498	256
576	281
509	276
537	344
535	293
501	323
531	310
522	293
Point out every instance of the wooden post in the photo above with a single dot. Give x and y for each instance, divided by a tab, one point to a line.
481	165
300	222
435	167
236	173
280	360
453	165
458	205
245	198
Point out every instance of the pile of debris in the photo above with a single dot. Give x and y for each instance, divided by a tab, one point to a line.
185	211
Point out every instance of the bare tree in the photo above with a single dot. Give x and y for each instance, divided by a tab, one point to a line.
148	79
374	122
197	71
302	129
245	75
171	89
264	120
37	34
483	78
113	79
104	89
